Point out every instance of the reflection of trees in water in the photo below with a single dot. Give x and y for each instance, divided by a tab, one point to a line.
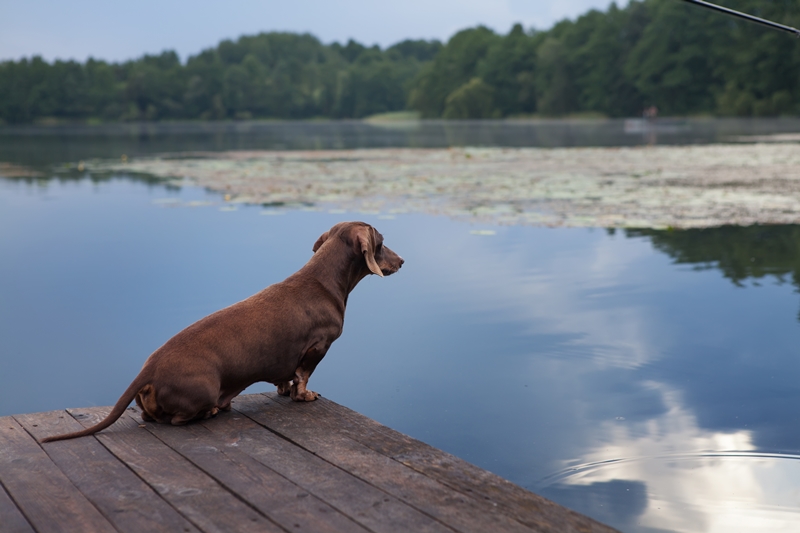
740	252
46	177
48	145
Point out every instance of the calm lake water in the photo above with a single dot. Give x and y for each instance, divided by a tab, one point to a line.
645	378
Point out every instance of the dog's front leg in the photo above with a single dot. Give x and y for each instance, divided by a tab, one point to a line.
299	393
285	388
310	360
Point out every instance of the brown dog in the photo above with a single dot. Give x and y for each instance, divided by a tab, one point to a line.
278	335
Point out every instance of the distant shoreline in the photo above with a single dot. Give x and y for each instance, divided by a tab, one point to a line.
379	119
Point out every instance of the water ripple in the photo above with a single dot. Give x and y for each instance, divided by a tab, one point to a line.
575	470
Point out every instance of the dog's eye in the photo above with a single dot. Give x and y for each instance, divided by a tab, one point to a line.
379	248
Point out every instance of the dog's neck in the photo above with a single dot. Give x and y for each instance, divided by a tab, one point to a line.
337	270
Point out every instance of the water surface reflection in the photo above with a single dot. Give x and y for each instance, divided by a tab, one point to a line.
641	377
43	145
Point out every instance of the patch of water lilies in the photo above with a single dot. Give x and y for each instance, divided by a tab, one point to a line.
11	170
655	187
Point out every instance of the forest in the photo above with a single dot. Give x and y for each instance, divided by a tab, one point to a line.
684	60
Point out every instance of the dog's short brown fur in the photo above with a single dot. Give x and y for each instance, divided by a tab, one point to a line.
278	335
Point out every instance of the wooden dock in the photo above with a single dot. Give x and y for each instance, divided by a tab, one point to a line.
270	465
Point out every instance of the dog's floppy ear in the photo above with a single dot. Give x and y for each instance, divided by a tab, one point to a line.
320	241
364	238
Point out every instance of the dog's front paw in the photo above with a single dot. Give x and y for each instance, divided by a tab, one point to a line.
305	396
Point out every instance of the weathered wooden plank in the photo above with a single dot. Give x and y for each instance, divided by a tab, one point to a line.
525	506
278	498
42	492
197	496
11	519
124	499
378	511
462	512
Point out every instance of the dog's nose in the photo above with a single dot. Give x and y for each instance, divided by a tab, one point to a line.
401	261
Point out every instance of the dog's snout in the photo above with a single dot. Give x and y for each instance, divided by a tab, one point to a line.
401	261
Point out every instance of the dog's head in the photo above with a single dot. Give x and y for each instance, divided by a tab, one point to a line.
365	241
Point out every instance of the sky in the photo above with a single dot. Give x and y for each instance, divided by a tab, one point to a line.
116	31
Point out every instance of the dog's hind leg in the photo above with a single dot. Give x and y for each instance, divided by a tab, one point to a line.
145	415
181	418
146	400
224	402
192	399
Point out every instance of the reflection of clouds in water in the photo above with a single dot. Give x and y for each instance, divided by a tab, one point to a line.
690	487
596	297
566	294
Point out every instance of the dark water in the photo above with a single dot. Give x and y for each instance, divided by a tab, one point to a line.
646	378
36	145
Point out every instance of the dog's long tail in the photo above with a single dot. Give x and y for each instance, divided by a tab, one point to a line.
127	397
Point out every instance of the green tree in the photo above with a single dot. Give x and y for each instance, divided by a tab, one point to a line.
474	99
419	50
598	46
454	65
155	87
555	83
373	84
671	64
509	68
758	68
676	56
